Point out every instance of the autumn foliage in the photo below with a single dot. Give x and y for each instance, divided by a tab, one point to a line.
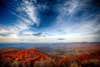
35	58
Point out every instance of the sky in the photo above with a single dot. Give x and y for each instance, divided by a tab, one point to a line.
49	20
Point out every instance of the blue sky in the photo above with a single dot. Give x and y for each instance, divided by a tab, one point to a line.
50	18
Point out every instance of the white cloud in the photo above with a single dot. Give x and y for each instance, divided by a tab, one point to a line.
23	22
83	30
30	9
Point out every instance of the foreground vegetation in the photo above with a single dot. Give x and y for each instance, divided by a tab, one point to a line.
13	57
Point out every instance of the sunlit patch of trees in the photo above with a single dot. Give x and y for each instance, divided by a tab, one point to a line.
36	58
